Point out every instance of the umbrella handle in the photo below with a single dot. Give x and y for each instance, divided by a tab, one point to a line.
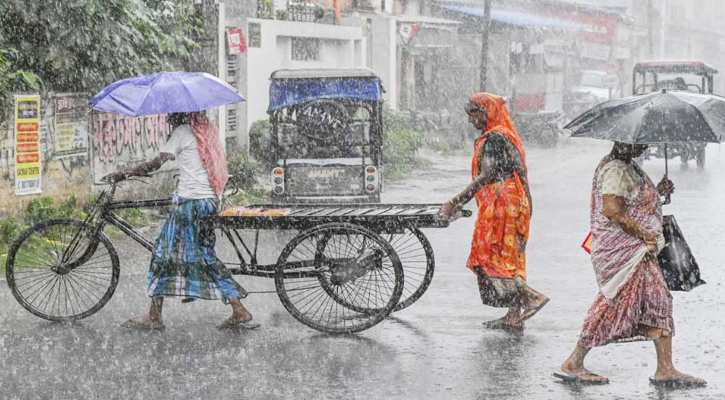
668	199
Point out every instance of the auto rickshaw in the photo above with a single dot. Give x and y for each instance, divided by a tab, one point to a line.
691	76
326	129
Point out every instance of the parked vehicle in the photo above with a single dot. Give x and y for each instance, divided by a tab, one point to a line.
692	76
327	135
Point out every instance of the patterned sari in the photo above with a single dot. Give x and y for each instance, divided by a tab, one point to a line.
502	225
633	293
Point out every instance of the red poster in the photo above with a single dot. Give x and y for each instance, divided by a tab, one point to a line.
236	42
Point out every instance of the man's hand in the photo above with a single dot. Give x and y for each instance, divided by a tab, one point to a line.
115	177
665	187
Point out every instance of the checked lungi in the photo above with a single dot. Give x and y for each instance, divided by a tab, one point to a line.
184	262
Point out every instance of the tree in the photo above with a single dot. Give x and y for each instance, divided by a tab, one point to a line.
82	45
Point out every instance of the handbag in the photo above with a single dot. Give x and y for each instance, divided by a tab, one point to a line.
678	265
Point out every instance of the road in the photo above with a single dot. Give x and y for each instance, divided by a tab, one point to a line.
435	349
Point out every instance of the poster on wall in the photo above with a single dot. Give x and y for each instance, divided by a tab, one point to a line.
236	42
27	145
71	125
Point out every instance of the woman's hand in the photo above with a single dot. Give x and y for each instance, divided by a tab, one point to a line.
665	187
448	209
651	240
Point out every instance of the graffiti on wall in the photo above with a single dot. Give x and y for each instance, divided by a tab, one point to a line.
121	138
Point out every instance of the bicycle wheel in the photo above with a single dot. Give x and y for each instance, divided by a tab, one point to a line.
59	271
357	265
416	255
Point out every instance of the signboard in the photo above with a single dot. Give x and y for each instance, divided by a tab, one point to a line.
27	145
254	30
71	125
236	42
408	31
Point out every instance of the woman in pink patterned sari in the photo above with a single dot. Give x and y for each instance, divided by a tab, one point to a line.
634	302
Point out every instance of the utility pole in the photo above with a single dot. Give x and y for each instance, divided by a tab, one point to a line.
485	28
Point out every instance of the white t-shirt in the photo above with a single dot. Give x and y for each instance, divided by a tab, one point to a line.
194	180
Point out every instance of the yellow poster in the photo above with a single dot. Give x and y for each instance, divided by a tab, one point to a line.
27	145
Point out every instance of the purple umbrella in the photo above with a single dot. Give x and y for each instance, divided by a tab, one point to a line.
165	92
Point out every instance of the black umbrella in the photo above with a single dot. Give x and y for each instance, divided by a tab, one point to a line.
661	117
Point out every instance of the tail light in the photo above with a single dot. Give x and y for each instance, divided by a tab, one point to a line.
372	180
278	180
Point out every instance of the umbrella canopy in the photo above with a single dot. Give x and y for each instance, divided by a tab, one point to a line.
661	117
165	92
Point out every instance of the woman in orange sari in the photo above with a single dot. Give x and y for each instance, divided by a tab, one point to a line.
500	187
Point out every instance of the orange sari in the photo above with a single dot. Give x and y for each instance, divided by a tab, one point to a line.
502	225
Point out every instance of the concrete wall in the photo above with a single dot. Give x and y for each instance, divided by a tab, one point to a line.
340	47
384	55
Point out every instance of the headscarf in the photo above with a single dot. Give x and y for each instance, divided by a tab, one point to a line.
499	119
211	151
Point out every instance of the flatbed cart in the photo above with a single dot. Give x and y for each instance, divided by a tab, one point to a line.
348	267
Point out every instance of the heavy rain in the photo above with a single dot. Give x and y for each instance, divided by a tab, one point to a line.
381	199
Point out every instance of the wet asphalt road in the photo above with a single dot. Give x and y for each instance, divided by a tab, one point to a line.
436	349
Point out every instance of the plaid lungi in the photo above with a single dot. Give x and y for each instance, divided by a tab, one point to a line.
184	262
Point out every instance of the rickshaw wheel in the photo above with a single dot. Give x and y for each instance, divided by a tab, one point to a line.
59	271
358	266
416	255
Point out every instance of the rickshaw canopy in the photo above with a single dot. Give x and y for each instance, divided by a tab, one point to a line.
292	87
681	67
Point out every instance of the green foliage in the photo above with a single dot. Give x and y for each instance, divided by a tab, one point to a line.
13	80
400	145
281	15
243	174
83	45
43	208
260	144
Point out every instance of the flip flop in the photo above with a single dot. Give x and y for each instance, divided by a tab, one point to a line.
229	325
576	378
531	311
143	326
499	324
678	382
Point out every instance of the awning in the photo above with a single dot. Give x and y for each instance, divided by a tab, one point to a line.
515	18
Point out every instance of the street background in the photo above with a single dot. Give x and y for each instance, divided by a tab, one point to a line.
435	349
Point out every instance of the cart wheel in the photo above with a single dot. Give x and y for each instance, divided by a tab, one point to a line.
416	255
339	278
58	271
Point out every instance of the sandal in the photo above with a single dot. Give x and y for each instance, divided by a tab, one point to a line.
230	324
532	310
501	325
577	378
144	326
678	382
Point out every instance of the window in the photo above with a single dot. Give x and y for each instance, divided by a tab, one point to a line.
305	49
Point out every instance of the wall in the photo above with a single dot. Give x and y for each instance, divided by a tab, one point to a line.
340	47
61	177
119	142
